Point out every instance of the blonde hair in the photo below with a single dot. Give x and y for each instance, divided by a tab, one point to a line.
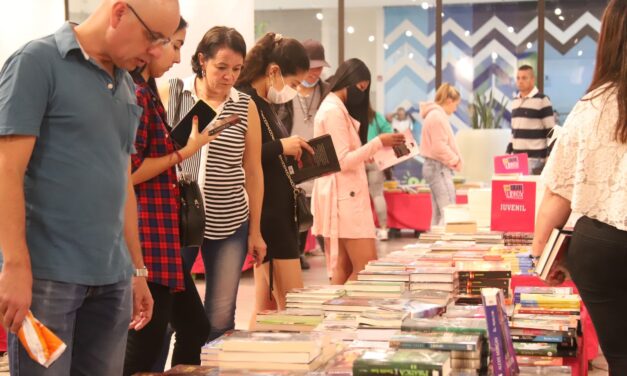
446	91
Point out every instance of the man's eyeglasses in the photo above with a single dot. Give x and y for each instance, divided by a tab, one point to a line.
156	39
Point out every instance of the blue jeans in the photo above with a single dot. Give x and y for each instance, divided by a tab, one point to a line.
91	320
223	260
440	180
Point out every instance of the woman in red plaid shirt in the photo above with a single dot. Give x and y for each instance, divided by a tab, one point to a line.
176	300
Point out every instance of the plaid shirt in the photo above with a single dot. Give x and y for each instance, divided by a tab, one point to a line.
157	198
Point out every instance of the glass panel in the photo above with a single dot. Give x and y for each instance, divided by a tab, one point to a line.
572	30
397	42
79	10
484	43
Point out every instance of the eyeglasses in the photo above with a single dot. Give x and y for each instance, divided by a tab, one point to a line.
155	38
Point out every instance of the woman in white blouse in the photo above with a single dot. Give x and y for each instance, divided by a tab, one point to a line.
587	175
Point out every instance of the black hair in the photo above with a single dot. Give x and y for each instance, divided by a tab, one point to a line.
350	73
216	38
288	53
525	67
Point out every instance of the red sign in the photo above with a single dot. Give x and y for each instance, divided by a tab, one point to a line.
513	206
511	164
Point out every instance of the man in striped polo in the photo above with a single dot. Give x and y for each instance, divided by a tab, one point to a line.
532	119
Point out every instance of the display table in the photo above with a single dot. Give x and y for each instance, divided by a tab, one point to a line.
412	211
589	346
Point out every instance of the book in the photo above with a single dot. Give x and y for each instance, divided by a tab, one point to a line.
502	354
492	282
415	286
554	252
323	161
468	275
381	286
395	275
431	277
444	324
389	156
546	371
181	131
436	341
403	362
439	297
275	357
529	360
273	342
381	319
328	352
543	349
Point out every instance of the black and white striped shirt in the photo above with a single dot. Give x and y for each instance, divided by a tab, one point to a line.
218	165
532	119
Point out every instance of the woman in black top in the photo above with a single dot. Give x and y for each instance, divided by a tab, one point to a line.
272	71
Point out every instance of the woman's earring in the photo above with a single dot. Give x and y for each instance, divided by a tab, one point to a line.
204	73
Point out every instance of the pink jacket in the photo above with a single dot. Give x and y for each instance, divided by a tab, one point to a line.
437	140
332	118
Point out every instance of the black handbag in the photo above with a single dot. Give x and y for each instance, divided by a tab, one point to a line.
191	208
302	213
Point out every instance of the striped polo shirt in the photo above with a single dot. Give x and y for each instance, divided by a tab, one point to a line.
219	164
532	119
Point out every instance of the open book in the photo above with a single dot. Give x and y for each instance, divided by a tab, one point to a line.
390	156
323	162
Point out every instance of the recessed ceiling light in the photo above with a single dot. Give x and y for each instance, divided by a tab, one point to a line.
350	30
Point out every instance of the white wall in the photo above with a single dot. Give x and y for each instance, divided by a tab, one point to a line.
24	20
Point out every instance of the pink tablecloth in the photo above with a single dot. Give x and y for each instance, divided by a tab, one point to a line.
589	346
412	210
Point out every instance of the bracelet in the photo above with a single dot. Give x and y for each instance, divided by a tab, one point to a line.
179	156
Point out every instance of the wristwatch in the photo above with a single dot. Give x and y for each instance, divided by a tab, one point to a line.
142	272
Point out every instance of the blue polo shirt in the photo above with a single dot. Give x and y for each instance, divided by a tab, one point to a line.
75	184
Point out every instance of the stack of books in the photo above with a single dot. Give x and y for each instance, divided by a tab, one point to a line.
473	276
289	320
518	238
517	257
375	289
275	351
384	275
312	297
545	325
402	362
433	278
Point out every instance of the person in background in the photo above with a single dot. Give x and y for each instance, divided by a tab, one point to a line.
586	174
274	68
70	245
228	169
532	120
298	115
401	120
176	300
340	201
377	124
439	149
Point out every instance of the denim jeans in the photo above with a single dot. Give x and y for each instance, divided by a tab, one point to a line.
223	260
91	320
440	180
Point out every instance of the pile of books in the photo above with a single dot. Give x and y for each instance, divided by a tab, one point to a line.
441	278
518	238
402	362
274	351
312	297
289	320
517	257
473	276
375	289
545	325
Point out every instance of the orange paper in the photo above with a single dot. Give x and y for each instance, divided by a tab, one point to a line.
41	344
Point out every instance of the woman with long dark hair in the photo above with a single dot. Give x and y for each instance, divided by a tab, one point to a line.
587	174
341	201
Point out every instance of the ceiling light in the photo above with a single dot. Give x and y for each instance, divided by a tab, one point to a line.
350	30
319	16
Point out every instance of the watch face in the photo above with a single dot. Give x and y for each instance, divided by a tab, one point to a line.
141	272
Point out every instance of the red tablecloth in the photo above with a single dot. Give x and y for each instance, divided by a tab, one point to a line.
412	210
589	346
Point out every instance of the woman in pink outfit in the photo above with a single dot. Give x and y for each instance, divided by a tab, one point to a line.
439	149
341	201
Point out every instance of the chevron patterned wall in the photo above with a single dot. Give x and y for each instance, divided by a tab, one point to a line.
483	45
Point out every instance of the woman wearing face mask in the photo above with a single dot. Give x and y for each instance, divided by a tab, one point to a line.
176	301
273	69
228	170
440	150
341	201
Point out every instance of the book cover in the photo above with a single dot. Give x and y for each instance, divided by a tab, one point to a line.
444	324
436	341
323	162
502	354
487	274
405	362
381	286
529	360
389	156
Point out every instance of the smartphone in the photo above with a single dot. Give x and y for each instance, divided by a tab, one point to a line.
180	132
222	124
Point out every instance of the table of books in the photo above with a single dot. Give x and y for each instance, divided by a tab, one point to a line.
412	211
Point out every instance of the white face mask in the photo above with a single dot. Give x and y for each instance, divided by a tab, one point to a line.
279	97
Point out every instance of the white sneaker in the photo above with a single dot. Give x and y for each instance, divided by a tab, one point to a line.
382	234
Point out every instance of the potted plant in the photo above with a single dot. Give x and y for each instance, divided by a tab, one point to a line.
486	139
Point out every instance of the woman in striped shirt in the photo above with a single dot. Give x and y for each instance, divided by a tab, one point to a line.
229	172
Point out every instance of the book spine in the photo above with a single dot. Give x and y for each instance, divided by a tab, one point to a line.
501	347
408	369
495	282
433	346
465	274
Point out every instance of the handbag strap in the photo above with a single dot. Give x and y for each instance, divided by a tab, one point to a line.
281	159
178	88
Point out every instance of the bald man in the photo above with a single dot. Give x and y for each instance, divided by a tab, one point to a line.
68	230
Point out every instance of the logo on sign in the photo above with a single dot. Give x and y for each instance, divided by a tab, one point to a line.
514	191
511	163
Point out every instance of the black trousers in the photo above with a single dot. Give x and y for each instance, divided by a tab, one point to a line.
597	261
185	314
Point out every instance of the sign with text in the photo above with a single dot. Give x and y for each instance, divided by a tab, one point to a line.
513	206
511	164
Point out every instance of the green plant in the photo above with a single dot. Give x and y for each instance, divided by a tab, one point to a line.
487	112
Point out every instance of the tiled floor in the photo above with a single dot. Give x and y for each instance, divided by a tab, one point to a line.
317	275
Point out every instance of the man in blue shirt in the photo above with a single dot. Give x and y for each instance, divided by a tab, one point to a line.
68	229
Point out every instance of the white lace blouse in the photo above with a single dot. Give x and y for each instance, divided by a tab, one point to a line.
588	166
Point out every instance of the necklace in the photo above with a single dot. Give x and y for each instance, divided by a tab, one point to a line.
306	107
